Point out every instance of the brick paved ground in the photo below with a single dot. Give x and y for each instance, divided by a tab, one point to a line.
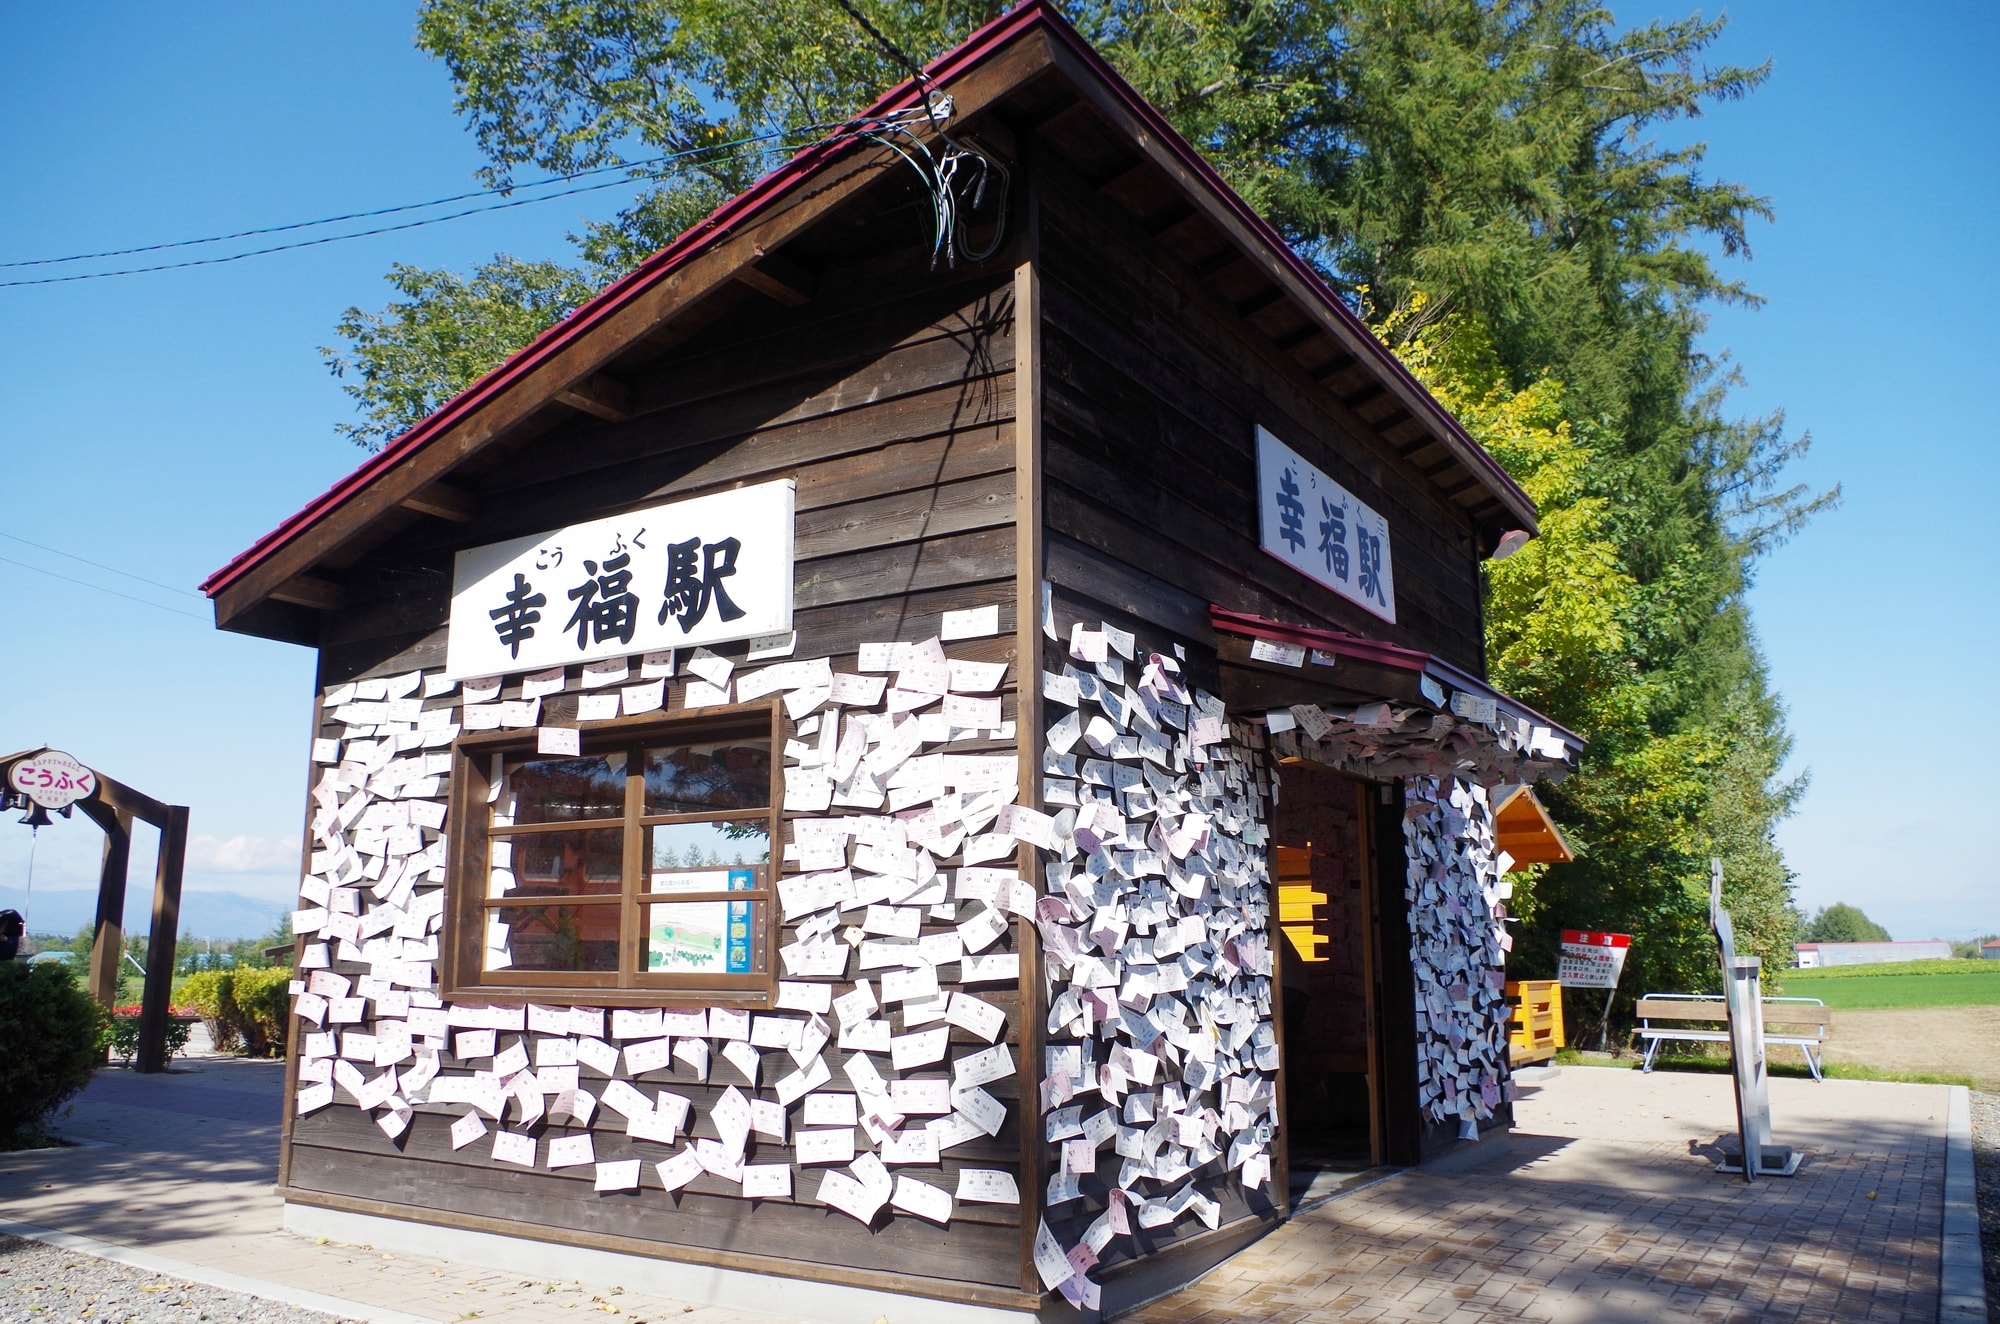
1607	1210
183	1166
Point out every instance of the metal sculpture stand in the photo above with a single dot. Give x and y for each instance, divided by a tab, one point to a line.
1743	995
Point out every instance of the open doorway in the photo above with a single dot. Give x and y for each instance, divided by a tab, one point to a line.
1323	861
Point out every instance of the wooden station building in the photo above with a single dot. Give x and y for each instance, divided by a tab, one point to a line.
840	774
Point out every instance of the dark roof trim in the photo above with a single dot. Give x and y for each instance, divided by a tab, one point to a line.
744	207
1035	15
1388	656
1361	342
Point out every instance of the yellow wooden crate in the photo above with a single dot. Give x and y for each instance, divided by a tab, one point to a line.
1535	1028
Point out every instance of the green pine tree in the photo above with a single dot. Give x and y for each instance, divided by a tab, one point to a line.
1481	177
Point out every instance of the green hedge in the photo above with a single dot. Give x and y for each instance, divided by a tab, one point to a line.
51	1037
243	1009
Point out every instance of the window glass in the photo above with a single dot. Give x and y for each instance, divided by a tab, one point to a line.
565	790
672	847
586	863
580	891
561	938
691	779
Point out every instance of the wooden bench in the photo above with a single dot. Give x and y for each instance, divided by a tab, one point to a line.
1702	1018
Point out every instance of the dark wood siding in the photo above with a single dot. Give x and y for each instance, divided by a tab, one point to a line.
1153	393
891	405
1069	1221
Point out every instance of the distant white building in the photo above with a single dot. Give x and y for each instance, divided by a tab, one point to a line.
1811	955
1991	951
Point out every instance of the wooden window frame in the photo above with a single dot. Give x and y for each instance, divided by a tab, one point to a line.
462	972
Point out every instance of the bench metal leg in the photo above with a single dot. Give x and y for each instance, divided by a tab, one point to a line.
1652	1051
1812	1061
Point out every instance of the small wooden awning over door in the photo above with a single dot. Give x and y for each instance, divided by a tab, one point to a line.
1525	830
1388	711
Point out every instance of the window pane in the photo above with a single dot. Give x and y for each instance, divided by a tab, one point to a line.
572	938
590	863
699	938
563	790
687	779
678	847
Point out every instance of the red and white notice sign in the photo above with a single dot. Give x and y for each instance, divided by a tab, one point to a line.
1592	960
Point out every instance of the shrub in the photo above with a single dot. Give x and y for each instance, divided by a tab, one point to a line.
263	1001
51	1035
125	1030
209	994
244	1008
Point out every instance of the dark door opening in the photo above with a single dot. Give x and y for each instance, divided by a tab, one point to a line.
1325	879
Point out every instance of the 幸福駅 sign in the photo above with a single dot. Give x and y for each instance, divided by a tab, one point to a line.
1322	530
52	779
1592	960
702	571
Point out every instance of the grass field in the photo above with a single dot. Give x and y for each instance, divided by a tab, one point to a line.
1881	968
1902	984
1980	990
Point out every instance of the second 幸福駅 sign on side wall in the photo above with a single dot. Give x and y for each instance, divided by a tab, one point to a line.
702	571
1322	530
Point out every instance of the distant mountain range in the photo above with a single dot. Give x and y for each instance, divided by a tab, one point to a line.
218	915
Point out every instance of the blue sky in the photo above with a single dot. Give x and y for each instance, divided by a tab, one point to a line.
160	423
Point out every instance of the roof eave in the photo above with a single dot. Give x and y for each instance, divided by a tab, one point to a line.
1032	18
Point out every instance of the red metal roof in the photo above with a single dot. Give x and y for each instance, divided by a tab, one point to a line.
1031	16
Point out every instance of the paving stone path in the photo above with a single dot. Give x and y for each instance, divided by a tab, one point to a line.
1607	1209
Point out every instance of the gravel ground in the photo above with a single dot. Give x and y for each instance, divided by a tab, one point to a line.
41	1284
1986	1164
1948	1041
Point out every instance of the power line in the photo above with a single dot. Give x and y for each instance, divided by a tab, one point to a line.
894	51
332	220
84	583
843	128
308	243
57	551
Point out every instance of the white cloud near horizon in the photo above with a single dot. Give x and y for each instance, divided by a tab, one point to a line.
242	854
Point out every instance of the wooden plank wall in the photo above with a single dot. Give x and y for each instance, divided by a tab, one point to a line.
892	406
1070	606
1153	394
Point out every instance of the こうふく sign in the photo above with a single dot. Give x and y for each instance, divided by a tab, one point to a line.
52	779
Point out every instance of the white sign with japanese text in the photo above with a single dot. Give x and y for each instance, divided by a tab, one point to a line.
53	779
703	571
1592	960
1323	531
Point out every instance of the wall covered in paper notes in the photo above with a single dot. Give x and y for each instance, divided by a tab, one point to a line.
1457	952
867	1119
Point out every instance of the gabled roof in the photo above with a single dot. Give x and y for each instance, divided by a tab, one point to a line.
1027	46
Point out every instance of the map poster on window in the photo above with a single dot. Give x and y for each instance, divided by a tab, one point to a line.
1323	531
703	571
700	937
